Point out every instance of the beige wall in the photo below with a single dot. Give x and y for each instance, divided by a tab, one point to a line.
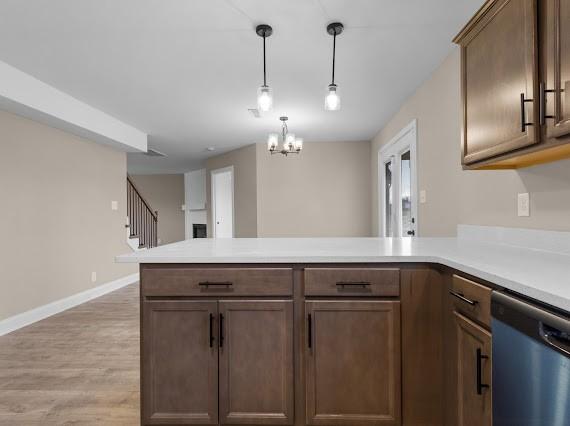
323	192
56	221
245	189
455	196
165	194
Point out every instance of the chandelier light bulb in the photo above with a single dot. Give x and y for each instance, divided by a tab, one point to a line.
289	141
264	99
272	141
332	99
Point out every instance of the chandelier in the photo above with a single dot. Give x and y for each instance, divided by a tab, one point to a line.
290	144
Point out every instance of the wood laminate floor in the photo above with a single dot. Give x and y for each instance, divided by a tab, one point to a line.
79	367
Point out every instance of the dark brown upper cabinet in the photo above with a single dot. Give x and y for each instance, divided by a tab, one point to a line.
515	63
555	91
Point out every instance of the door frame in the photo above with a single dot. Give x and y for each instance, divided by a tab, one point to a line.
213	197
383	159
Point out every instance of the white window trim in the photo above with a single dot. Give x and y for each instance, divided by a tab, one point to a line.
213	193
383	158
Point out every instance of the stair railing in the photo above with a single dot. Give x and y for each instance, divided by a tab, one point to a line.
143	221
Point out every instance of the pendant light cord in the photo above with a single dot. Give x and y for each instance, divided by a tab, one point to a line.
334	55
264	71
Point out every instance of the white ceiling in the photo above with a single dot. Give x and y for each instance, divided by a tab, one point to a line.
186	71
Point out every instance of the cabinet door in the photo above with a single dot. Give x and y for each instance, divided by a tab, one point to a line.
256	362
352	362
499	80
179	363
474	374
556	95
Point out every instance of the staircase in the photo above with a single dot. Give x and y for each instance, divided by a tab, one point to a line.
142	220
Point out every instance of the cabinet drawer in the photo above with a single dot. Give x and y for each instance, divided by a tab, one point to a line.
210	282
471	299
352	282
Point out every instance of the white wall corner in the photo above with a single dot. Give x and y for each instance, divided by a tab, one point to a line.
18	321
29	97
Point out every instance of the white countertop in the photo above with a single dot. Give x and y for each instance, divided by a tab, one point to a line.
539	274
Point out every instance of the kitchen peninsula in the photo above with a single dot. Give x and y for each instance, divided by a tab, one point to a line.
335	331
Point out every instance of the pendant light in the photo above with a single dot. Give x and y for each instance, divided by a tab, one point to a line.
332	98
264	93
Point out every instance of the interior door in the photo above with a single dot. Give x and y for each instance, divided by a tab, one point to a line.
474	373
398	186
499	81
352	359
256	362
555	94
223	203
180	363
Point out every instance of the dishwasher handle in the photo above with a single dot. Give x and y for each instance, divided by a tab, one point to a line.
555	338
552	329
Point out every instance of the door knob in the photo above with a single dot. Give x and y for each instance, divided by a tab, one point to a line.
411	233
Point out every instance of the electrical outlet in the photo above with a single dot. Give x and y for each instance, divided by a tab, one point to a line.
423	196
523	204
93	277
114	205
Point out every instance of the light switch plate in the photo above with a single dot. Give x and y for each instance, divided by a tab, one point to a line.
114	205
183	207
523	204
423	196
93	277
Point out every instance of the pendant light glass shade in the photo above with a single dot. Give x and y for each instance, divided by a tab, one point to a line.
264	99
289	141
299	144
332	98
272	141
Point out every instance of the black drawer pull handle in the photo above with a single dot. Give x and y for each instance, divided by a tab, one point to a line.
211	330
480	384
463	298
214	283
362	284
221	330
542	103
524	123
310	331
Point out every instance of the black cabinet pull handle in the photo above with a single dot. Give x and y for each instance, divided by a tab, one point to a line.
353	283
463	298
221	330
214	283
211	330
480	384
524	123
310	331
542	103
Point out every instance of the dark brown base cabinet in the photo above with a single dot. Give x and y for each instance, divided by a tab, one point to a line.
353	363
298	345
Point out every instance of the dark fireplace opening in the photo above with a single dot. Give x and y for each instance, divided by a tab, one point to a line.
199	230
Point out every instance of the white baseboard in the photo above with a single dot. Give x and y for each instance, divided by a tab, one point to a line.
26	318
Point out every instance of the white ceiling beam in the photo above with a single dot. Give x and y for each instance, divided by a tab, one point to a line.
27	96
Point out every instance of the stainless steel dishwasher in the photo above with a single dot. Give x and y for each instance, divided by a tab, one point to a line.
531	364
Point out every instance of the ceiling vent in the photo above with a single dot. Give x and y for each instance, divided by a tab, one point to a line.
254	112
154	153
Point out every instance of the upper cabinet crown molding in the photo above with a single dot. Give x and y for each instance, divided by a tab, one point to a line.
514	56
